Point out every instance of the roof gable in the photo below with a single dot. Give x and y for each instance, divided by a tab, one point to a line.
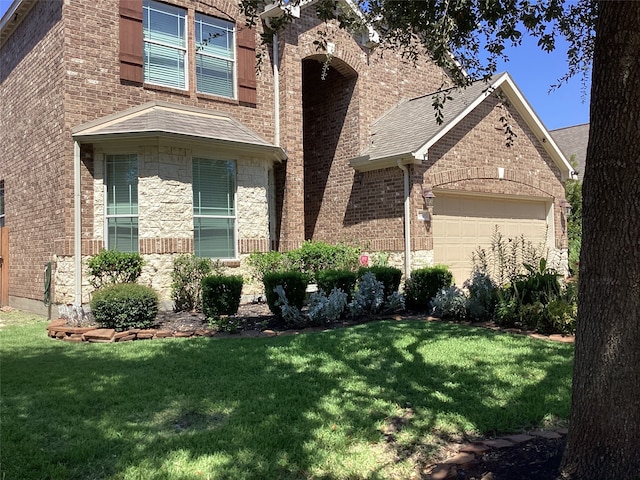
407	131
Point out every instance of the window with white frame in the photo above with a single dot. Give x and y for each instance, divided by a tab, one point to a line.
165	44
215	56
1	203
214	208
121	202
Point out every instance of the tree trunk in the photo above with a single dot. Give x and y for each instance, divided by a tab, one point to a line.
604	430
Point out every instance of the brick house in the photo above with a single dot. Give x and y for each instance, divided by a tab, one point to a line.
143	125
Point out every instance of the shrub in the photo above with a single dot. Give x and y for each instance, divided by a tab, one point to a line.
265	262
482	296
325	309
186	280
450	304
389	276
345	280
313	257
424	284
294	285
111	266
124	306
221	295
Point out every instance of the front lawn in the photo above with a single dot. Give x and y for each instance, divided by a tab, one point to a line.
314	405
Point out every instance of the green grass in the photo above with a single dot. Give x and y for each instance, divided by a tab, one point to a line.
305	406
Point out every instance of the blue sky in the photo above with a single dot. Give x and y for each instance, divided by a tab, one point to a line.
534	71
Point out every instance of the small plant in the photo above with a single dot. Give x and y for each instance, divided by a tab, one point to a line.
221	295
229	324
389	276
289	313
123	306
368	297
323	310
450	304
482	296
112	266
294	285
424	284
394	303
186	280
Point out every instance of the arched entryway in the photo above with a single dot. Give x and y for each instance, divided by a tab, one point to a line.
330	137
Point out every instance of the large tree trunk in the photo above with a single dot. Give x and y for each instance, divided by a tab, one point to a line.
604	430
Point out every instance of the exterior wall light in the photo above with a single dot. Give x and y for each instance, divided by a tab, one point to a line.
566	207
428	198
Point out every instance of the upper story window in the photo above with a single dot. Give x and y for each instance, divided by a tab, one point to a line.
121	193
165	44
215	56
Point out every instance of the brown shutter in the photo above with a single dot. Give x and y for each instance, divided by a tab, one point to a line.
246	41
131	41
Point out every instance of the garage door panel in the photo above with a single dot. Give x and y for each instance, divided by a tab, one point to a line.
463	224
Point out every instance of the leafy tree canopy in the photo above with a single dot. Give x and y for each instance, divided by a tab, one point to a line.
465	37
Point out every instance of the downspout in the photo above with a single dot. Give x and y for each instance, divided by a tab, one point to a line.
77	227
276	91
407	221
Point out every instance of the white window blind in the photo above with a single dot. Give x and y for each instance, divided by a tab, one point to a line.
215	56
214	211
121	199
165	44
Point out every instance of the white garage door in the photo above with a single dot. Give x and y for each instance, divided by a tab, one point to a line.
461	224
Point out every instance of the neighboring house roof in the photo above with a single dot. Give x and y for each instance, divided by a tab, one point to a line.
406	132
157	118
573	142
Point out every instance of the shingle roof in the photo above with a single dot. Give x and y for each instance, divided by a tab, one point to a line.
573	141
162	118
411	124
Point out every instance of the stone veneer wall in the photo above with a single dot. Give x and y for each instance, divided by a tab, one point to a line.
165	215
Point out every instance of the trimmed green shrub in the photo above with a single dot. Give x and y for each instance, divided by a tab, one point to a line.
111	266
186	280
265	262
294	285
424	284
221	295
313	257
124	306
389	276
345	280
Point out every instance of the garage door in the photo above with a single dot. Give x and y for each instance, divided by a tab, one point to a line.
461	224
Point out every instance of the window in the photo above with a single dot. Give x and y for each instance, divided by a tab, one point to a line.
215	58
214	210
2	203
121	195
165	45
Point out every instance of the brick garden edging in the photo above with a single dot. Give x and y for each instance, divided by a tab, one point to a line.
60	330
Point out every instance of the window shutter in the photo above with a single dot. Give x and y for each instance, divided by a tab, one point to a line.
131	62
246	41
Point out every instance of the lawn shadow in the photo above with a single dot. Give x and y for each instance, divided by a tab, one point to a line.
283	407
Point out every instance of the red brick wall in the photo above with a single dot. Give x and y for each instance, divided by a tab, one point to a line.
34	165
